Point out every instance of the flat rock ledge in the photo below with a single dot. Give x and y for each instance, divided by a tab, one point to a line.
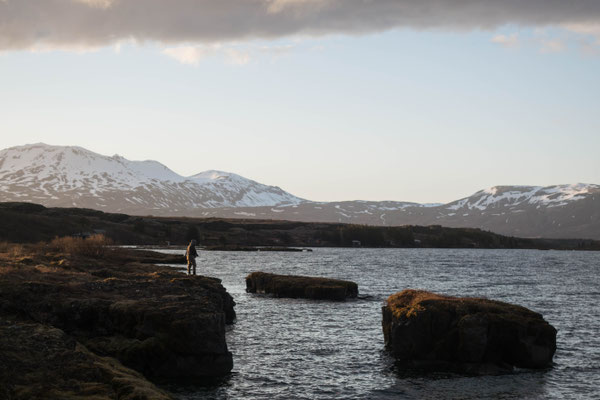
424	330
148	318
301	286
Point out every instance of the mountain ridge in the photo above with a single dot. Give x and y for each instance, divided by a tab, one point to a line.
71	176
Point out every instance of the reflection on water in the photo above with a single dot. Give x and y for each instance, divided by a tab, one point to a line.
301	349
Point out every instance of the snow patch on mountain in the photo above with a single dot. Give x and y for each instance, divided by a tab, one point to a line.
39	170
510	196
74	167
58	176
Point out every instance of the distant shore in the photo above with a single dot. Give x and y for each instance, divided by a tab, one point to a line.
31	223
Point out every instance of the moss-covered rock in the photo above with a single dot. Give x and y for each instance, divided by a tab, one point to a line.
301	286
38	361
465	334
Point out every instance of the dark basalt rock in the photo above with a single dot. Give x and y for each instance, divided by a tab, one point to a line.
38	361
301	286
153	319
471	335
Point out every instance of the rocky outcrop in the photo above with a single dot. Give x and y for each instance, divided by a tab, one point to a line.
301	286
38	361
152	319
480	336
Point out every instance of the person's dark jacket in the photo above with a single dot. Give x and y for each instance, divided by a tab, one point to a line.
191	251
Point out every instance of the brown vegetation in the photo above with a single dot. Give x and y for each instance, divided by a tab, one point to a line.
94	246
409	302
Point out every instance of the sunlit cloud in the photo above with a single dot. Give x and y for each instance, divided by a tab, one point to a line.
237	57
190	55
588	29
584	37
240	54
552	46
511	40
194	55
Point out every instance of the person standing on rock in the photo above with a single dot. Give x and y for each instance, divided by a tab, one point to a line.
191	255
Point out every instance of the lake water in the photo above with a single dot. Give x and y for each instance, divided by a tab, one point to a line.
301	349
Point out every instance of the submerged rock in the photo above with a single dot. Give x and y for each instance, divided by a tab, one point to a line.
301	286
471	335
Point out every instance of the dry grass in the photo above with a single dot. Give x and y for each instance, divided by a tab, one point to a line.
12	250
407	303
4	246
95	246
410	302
47	269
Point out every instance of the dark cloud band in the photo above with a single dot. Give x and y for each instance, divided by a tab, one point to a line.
82	23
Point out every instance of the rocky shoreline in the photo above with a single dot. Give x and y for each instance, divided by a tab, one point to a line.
114	321
105	323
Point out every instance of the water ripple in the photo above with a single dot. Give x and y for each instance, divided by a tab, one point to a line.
300	349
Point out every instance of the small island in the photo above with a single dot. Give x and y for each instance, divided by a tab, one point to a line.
467	335
292	286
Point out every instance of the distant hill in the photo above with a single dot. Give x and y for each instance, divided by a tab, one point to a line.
58	176
32	223
565	211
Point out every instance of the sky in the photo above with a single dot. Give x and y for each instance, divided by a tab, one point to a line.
331	100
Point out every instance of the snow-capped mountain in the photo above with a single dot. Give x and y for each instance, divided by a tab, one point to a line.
57	176
520	196
75	177
563	211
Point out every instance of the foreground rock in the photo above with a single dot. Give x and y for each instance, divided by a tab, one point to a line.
471	335
301	286
152	319
41	362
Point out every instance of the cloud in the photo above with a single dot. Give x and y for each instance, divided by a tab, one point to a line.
193	55
589	29
190	55
96	3
511	40
26	24
552	46
237	57
278	49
